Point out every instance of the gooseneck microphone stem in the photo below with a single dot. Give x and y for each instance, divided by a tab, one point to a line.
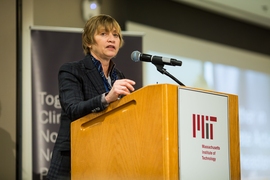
159	62
163	71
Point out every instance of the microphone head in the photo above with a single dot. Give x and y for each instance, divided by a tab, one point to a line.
135	56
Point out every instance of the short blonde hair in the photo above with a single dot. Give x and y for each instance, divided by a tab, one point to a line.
94	24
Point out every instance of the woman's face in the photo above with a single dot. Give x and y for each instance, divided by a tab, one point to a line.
106	46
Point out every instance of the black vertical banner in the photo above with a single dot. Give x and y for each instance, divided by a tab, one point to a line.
49	50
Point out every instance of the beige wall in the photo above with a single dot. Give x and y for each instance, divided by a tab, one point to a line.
7	89
58	13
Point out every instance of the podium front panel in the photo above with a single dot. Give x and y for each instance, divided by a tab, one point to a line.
135	138
203	135
159	132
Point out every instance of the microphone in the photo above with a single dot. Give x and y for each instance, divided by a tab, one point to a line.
157	60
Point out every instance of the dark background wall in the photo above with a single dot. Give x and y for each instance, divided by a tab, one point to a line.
189	20
164	14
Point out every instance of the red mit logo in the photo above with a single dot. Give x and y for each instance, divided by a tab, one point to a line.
204	124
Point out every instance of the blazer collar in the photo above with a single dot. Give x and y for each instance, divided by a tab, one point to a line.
88	62
93	74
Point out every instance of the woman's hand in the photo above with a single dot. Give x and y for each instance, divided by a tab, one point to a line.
120	87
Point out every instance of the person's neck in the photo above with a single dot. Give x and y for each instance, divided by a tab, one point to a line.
105	66
105	63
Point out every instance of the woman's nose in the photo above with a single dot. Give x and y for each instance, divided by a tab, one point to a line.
111	37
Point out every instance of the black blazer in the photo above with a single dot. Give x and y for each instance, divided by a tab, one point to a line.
80	90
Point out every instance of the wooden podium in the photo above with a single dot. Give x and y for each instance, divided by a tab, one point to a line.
137	137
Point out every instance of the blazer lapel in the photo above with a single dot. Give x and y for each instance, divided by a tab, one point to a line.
93	75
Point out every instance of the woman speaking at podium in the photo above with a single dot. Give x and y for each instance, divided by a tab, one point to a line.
88	85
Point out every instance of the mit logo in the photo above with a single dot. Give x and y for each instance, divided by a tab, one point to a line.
204	124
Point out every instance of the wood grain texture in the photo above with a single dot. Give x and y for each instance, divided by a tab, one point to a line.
136	138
